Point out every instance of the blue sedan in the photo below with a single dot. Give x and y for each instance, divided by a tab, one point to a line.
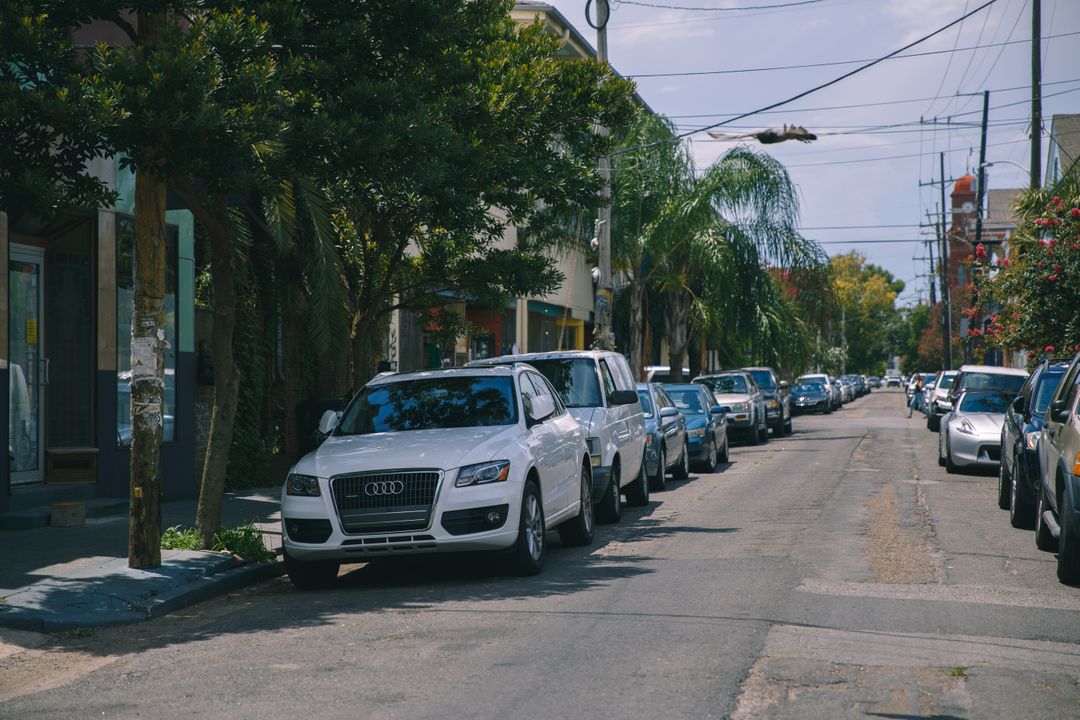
706	424
665	437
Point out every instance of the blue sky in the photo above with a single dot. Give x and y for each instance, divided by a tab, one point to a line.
862	178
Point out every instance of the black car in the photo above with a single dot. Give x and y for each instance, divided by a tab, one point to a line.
810	397
777	399
1018	476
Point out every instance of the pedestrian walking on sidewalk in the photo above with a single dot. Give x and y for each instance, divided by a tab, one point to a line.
916	396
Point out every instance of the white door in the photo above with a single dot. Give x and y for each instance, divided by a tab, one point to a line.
27	369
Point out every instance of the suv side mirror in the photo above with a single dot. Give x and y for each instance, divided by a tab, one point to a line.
329	421
1018	404
541	408
784	384
622	397
1058	411
716	410
669	412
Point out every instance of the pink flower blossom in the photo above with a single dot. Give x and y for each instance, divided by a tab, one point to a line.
1075	212
1049	348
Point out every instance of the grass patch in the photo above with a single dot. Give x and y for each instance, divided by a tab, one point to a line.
958	672
245	541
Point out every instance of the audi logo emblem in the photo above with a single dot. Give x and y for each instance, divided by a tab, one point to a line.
384	487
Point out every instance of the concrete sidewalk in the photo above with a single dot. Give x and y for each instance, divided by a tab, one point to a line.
57	578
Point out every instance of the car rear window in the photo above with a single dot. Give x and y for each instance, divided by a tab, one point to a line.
724	383
574	378
429	404
992	381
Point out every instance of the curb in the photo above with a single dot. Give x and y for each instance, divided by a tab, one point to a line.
185	595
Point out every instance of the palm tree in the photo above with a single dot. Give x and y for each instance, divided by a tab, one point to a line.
707	237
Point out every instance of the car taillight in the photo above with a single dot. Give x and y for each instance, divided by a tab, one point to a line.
1076	464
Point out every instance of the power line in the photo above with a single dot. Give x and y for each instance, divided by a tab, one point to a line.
860	227
870	104
833	63
717	9
846	75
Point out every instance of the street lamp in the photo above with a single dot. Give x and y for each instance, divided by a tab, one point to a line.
1005	162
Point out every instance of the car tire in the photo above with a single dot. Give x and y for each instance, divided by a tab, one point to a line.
609	509
682	470
1004	488
659	480
933	422
940	450
828	408
709	465
1068	566
778	429
531	546
637	492
311	574
787	427
763	433
1044	540
950	466
578	530
1021	514
726	455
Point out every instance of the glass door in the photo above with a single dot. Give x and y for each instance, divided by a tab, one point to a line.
28	370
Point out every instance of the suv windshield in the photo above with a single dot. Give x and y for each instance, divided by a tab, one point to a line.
574	378
807	388
984	402
725	383
430	404
763	378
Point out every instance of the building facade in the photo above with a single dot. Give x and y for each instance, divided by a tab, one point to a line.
65	330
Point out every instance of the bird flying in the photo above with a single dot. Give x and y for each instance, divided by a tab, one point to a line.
769	136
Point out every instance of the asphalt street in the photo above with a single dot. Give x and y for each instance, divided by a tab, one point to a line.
837	572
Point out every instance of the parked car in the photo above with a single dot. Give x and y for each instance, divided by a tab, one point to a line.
665	437
1018	476
847	392
742	402
777	398
810	397
600	392
874	382
971	433
1057	508
893	378
447	460
706	425
987	378
938	402
827	382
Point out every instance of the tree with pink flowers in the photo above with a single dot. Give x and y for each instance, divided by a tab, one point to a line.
1031	299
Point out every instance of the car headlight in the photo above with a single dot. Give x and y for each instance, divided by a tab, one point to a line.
302	485
483	473
740	407
965	427
1031	439
772	404
696	433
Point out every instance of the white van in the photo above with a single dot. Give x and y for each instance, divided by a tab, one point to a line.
599	390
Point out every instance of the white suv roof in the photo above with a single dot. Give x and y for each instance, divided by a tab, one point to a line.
468	371
993	369
553	355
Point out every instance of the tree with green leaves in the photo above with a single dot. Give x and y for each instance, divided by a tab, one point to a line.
865	295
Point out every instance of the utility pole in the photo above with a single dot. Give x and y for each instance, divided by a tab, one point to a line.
980	192
1036	95
603	337
933	283
946	291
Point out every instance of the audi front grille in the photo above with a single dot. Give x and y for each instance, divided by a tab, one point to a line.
387	501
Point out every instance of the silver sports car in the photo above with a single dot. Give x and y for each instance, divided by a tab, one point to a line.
971	433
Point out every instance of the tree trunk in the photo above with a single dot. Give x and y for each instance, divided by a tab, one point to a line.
369	334
226	380
677	317
696	351
147	369
637	293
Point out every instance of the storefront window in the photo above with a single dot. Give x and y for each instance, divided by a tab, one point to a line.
125	275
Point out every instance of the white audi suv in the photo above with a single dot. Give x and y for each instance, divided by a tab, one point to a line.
446	460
